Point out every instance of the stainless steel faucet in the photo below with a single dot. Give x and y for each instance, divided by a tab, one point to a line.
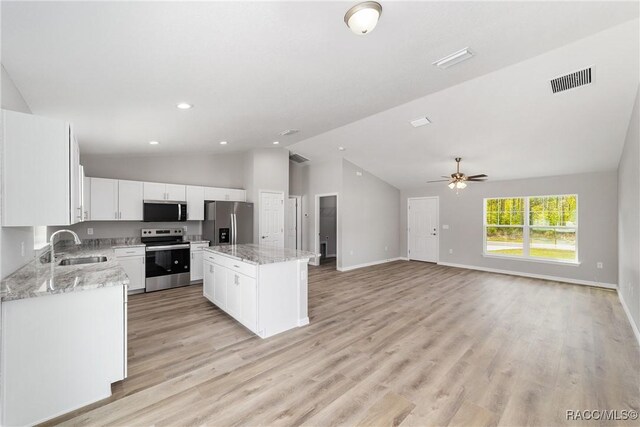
52	243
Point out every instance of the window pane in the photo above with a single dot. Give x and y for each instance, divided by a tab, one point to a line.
504	241
552	243
505	211
553	211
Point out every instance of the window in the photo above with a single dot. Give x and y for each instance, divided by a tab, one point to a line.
537	227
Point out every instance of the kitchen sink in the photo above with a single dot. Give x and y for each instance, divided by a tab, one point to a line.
85	260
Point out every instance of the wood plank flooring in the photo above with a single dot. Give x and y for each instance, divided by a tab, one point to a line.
403	343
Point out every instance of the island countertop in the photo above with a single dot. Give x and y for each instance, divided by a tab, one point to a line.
260	254
37	279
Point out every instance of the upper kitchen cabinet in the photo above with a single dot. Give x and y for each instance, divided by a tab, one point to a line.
195	203
231	194
130	200
158	191
104	199
41	172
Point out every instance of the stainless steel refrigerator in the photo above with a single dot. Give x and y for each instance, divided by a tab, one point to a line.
228	223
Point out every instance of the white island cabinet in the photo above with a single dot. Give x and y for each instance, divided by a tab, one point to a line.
263	288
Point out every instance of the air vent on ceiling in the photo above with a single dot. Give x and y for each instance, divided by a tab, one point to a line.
288	132
297	158
572	80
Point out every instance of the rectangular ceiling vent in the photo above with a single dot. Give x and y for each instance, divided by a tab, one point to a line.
297	158
572	80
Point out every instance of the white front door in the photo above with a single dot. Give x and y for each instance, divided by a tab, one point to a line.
271	224
423	229
291	237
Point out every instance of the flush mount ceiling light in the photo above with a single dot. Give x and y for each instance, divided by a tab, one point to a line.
276	142
341	148
454	58
223	142
420	122
154	142
184	106
363	17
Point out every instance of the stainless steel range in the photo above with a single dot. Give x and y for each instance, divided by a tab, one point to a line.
167	259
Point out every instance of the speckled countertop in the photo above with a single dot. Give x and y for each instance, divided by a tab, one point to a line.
260	254
38	279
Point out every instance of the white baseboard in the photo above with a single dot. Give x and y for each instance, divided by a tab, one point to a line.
303	322
532	275
628	313
369	264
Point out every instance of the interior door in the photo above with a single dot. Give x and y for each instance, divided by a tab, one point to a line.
423	229
272	219
130	200
291	238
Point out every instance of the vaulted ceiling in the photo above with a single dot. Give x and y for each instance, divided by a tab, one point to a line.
252	69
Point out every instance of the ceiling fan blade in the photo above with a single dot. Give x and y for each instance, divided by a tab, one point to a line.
446	176
477	176
476	179
438	180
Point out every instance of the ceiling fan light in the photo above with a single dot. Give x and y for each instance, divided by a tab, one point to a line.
461	185
363	17
452	185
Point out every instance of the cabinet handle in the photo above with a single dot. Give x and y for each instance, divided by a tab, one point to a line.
191	255
116	215
142	260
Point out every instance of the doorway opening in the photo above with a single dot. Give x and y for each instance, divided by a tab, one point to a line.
423	229
327	229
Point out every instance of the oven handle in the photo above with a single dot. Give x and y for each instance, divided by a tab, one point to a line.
164	248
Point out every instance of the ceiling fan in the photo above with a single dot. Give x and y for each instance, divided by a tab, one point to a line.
459	180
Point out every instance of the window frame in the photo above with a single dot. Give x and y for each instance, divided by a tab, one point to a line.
526	229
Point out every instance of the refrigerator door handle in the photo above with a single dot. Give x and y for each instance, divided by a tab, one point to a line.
235	230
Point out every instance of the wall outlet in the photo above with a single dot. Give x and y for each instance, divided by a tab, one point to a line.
22	251
185	229
90	231
599	265
445	226
450	251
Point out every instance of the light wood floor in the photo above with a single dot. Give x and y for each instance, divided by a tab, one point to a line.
403	343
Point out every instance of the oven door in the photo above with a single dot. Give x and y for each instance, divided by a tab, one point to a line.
167	267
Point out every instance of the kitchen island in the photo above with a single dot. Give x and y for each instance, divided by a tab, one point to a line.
63	334
264	288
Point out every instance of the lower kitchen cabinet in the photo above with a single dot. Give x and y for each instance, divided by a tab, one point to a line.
197	273
132	261
267	299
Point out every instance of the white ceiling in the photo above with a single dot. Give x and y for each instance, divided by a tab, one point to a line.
507	124
117	69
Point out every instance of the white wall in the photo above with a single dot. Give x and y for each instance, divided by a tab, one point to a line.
13	238
597	235
113	229
329	223
213	170
265	169
370	218
629	219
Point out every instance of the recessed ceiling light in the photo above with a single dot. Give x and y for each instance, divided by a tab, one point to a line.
420	122
276	142
154	142
341	148
454	58
223	142
184	106
363	17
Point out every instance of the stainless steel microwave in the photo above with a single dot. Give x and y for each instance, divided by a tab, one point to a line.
163	211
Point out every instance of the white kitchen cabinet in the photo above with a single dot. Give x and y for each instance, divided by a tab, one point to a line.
195	203
159	191
197	261
75	181
132	261
230	194
208	280
104	199
130	200
281	303
176	192
86	195
40	171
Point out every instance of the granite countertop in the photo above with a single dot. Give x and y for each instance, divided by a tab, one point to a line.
38	279
260	254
